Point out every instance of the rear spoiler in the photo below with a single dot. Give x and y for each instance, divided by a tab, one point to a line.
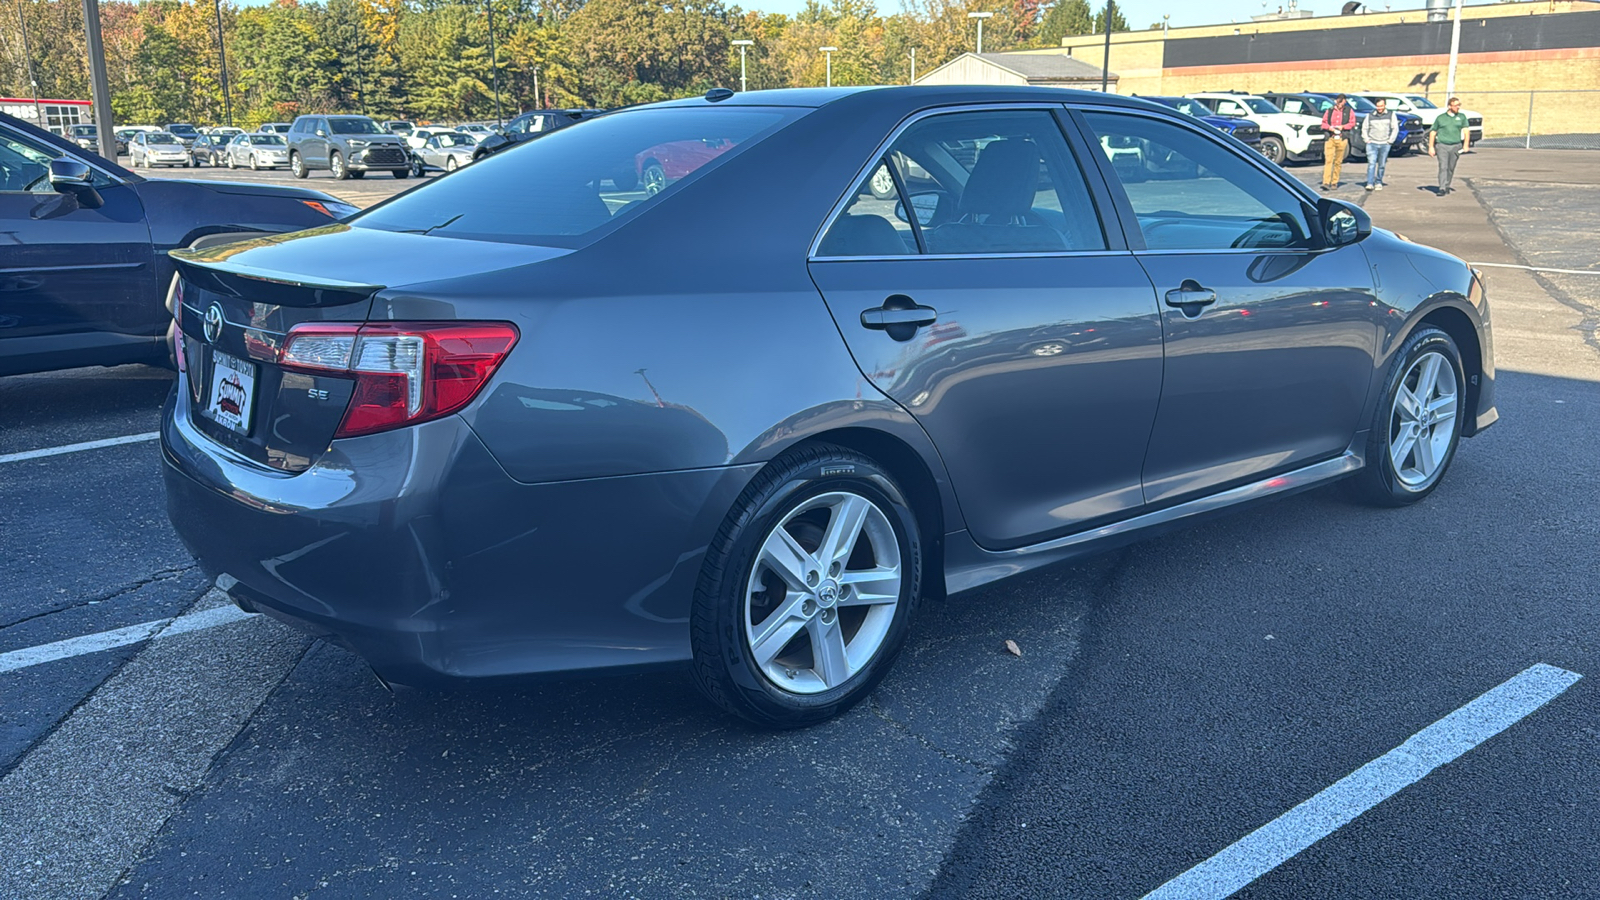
213	269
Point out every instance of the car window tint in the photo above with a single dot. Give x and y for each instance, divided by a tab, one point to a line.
1190	191
557	189
22	166
874	224
996	182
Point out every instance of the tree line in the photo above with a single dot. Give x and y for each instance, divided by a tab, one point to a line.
431	59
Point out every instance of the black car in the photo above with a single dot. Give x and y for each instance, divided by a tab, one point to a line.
531	125
668	420
210	149
84	270
184	132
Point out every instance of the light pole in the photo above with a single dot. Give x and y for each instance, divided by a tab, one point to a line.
828	52
980	16
1105	62
222	57
99	92
538	98
741	45
33	80
1455	49
913	65
494	68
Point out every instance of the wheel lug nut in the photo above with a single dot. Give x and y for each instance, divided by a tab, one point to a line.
808	608
827	617
833	571
812	578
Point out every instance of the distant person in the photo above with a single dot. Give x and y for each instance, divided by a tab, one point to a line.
1380	130
1447	140
1337	123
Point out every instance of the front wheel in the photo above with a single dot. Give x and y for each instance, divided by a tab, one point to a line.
882	184
654	177
807	591
336	166
1417	424
297	166
401	173
450	164
1272	148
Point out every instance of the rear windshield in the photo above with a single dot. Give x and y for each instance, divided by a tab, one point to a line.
556	190
353	125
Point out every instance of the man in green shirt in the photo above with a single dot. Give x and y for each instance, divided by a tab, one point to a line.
1447	140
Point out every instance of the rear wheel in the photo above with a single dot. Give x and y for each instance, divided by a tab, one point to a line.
882	184
654	177
1417	425
808	590
1272	148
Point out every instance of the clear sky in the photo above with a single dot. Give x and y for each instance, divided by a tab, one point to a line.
1142	14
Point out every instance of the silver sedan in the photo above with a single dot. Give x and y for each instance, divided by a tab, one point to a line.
258	151
447	150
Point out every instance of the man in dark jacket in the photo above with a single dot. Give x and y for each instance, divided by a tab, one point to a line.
1337	122
1379	130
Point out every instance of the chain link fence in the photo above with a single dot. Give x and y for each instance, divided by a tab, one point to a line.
1535	120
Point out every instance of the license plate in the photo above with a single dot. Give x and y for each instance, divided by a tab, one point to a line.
233	387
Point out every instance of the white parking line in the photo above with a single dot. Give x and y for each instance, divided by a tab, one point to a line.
1536	269
121	637
1269	846
74	448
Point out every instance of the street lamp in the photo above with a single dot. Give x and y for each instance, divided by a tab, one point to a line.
222	57
741	45
980	16
829	51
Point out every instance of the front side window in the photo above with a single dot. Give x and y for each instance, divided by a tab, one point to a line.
556	190
1189	191
1292	105
976	183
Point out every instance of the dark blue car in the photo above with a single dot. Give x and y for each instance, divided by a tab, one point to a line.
1243	129
543	416
84	271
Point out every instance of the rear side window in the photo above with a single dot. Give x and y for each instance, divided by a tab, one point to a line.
975	183
560	188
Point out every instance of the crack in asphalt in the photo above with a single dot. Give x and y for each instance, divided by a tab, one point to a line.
153	578
982	768
1590	325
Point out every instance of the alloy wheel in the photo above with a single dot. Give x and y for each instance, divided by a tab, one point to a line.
1422	421
822	593
655	178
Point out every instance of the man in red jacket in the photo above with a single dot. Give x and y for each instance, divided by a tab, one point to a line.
1338	121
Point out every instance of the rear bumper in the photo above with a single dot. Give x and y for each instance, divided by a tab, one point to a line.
417	551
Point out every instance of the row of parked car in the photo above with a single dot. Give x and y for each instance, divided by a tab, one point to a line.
1286	126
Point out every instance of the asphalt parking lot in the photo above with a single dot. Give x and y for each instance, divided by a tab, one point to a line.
1171	698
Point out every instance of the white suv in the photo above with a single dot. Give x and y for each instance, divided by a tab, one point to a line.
1284	136
1427	109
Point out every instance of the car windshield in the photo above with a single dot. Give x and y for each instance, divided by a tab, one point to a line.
1260	106
1421	102
449	139
353	125
1360	104
83	131
185	130
555	191
162	137
267	140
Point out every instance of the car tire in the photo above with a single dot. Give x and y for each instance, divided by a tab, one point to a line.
1273	149
297	166
654	177
881	184
1407	454
336	166
417	167
401	173
450	164
358	173
789	512
626	178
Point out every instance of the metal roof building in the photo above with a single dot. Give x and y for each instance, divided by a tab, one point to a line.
1052	68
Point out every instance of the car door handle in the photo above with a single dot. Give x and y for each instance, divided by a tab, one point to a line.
1191	298
899	316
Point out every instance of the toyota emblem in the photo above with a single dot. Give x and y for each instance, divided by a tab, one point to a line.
213	323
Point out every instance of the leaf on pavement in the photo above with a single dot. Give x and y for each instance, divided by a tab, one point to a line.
1013	648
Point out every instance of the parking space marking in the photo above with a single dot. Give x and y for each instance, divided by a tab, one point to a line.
1536	268
74	448
121	637
1274	843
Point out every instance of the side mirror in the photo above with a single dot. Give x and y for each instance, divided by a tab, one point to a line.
926	204
1342	223
73	176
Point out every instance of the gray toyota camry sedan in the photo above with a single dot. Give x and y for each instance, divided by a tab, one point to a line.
735	382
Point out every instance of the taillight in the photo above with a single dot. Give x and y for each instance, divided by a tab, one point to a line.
405	372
